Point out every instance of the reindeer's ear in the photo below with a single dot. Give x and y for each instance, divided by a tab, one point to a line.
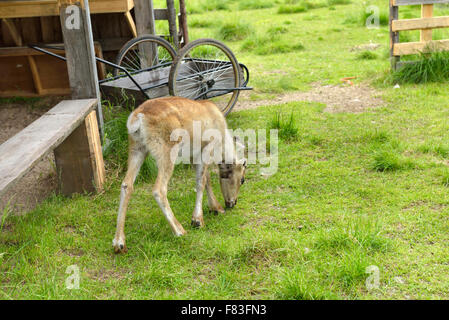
242	162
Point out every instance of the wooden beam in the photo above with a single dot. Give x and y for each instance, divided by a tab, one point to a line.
13	31
183	22
420	23
172	23
394	35
35	75
416	2
426	12
45	8
145	25
78	161
401	49
130	21
144	12
160	14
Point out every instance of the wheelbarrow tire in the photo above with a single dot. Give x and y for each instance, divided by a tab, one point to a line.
146	38
185	55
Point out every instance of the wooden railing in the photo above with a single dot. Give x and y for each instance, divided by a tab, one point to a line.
426	24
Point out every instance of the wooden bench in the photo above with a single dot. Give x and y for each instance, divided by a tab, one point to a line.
69	129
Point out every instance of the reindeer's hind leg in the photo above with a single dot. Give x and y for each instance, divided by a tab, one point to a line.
214	205
165	169
135	160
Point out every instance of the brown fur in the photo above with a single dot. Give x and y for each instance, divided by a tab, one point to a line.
149	128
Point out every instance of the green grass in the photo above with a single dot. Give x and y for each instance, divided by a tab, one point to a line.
352	190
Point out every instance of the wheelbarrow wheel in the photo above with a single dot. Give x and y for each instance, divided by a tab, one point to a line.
144	52
206	69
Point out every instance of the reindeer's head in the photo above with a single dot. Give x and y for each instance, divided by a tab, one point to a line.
232	176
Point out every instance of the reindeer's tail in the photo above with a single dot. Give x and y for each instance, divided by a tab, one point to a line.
134	123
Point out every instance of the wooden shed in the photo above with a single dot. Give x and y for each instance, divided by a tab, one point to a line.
26	72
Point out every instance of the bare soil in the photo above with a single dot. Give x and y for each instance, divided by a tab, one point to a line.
40	182
337	98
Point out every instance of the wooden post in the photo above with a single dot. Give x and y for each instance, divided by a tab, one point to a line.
426	12
79	160
144	12
183	22
394	36
172	22
145	24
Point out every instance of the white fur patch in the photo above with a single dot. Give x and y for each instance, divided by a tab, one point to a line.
134	125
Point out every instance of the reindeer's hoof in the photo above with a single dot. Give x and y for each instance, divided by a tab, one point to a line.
216	211
197	223
180	233
119	246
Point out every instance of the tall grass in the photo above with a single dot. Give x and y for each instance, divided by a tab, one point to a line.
207	5
287	128
234	31
255	4
430	67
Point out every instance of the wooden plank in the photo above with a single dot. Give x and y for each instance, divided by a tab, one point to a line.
401	49
22	151
131	24
47	29
44	8
420	23
95	150
417	2
25	51
20	9
426	12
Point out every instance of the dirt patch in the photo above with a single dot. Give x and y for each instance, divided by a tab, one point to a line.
40	182
337	98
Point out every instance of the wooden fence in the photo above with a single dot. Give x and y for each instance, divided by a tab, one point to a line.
425	24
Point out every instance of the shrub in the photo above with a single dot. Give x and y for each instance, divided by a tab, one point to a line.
367	55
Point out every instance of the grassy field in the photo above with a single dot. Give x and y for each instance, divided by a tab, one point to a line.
352	190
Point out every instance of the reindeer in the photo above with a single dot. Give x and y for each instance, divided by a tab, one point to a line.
150	129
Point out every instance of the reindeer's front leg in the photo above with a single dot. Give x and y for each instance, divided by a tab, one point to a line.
197	217
214	205
135	161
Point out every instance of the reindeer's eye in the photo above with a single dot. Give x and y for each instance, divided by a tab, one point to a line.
242	181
